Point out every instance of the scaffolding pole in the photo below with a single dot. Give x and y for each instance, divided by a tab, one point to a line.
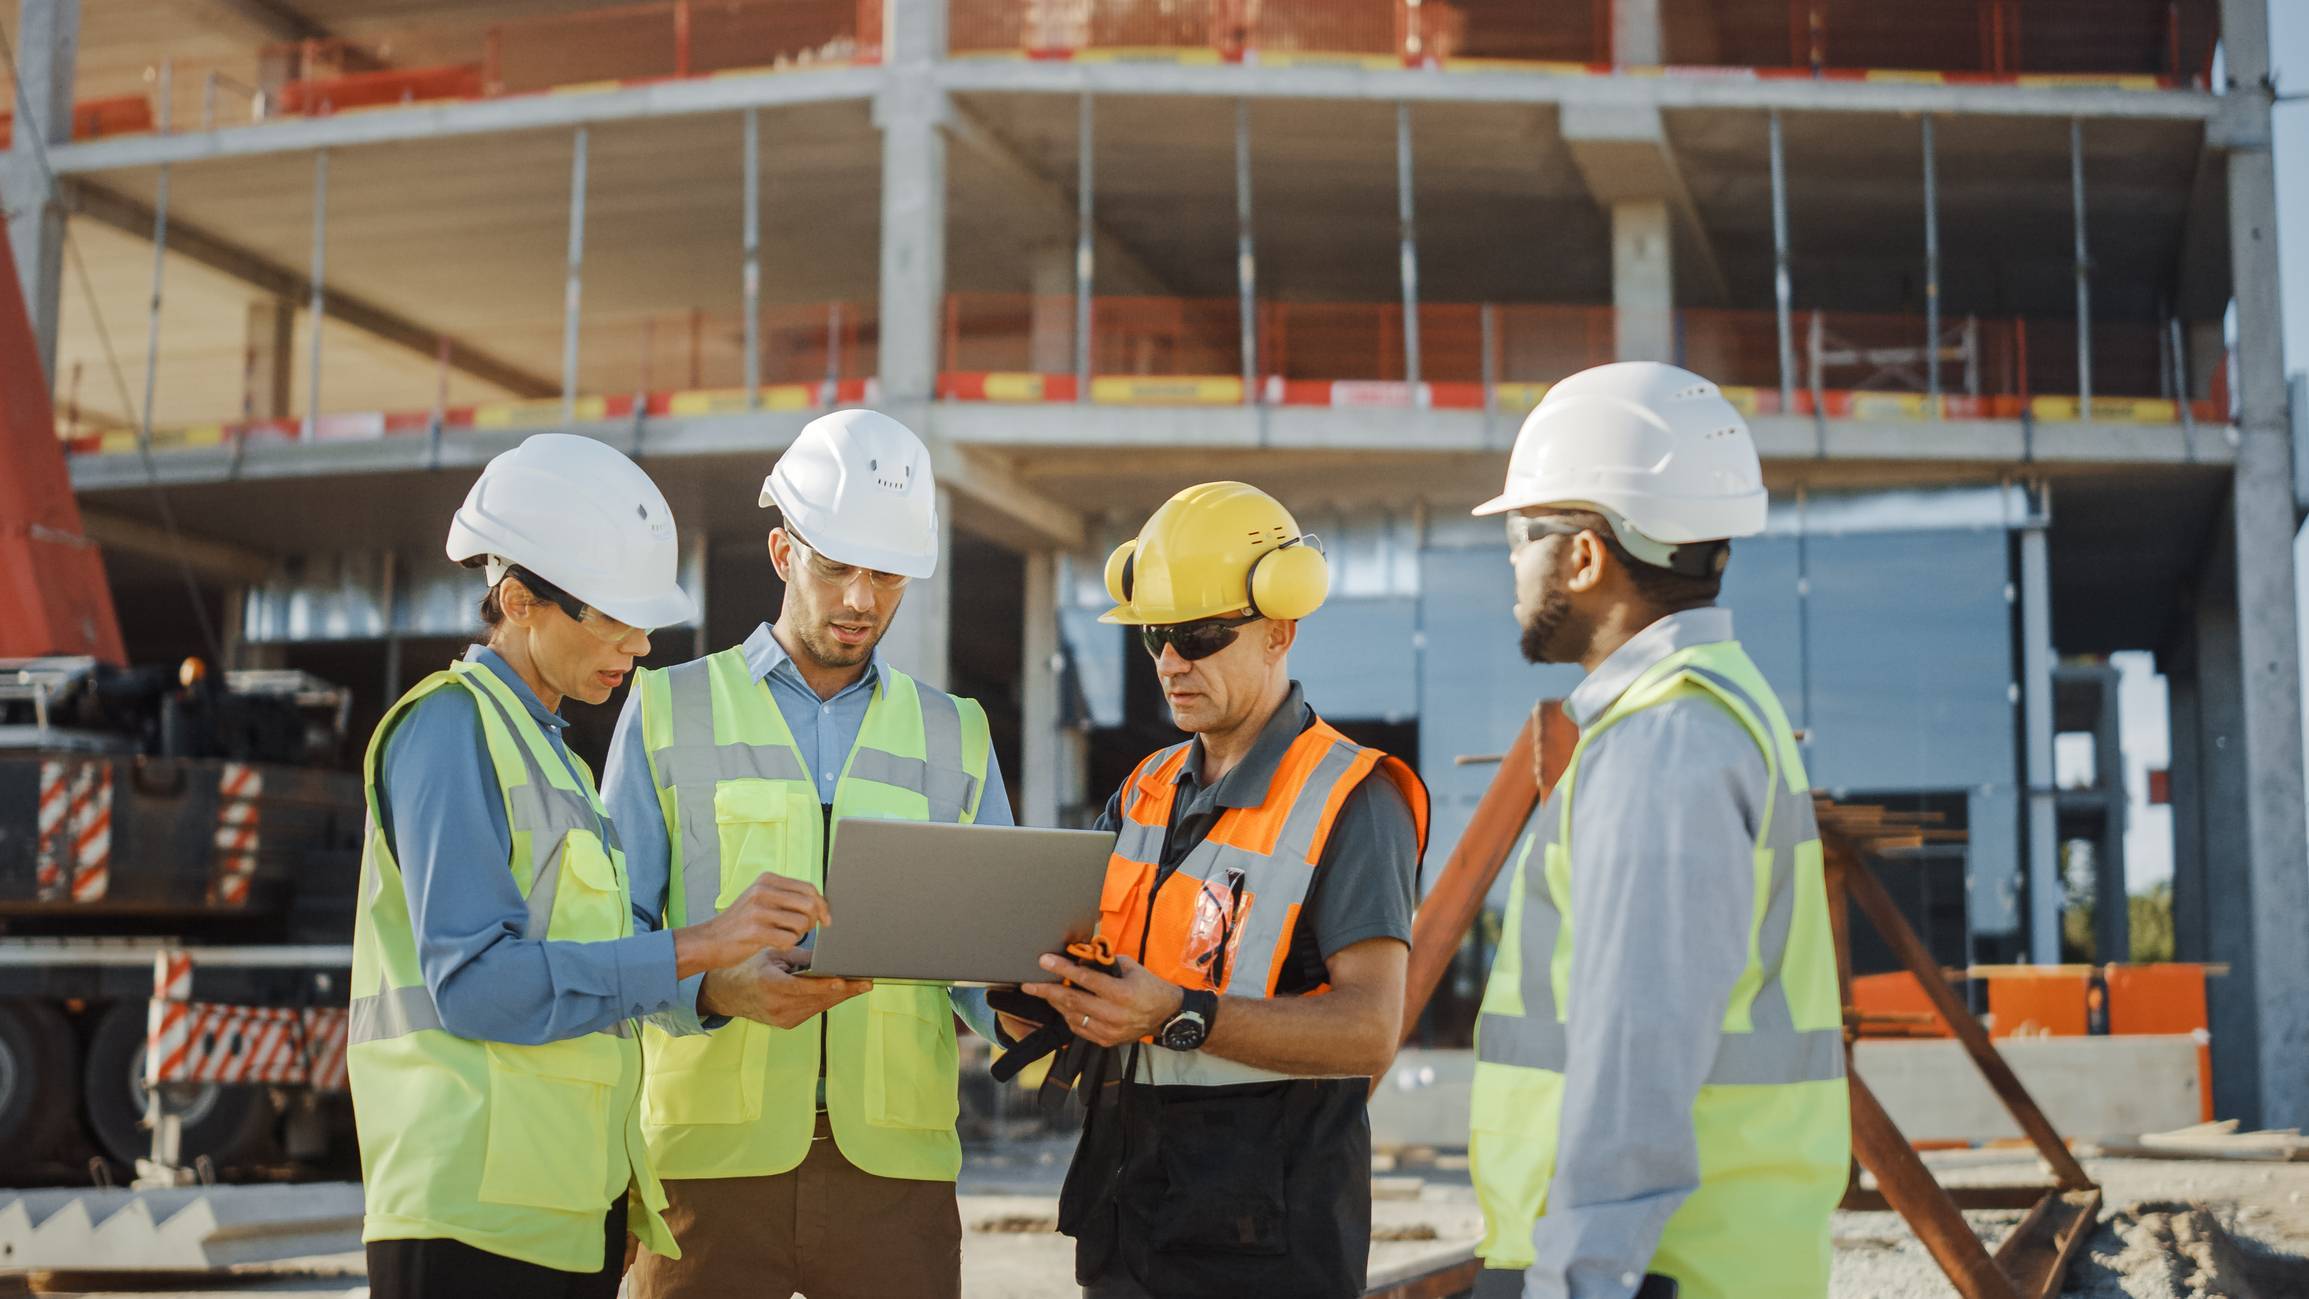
1406	215
315	307
1931	272
2084	291
1246	254
160	264
573	293
1085	257
1783	288
753	258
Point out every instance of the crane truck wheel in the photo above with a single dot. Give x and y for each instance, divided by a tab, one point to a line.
225	1123
39	1085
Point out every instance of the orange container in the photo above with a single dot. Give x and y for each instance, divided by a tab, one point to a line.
2047	1004
2164	999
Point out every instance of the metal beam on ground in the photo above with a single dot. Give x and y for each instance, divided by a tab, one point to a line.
119	212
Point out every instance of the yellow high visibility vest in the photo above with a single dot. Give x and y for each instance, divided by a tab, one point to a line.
517	1150
1772	1121
739	802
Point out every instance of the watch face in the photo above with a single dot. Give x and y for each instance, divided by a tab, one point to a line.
1184	1032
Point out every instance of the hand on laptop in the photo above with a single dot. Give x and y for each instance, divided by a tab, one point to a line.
764	989
773	912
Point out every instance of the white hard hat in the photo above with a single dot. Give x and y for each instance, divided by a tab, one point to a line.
857	486
1654	444
579	514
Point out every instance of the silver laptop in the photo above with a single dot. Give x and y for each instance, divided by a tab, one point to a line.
915	902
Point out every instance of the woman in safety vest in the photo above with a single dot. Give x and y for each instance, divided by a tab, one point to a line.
500	953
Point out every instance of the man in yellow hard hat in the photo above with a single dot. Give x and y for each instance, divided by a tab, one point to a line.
1256	863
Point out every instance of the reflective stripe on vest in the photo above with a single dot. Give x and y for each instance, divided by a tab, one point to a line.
1265	889
1773	1050
693	764
547	813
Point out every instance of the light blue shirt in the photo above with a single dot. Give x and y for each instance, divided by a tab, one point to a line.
1664	821
444	819
824	730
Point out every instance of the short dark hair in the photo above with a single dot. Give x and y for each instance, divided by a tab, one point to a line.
1663	588
493	609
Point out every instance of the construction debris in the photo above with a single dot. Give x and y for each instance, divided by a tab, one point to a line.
2215	1141
185	1229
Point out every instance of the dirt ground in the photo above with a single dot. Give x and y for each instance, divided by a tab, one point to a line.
2170	1229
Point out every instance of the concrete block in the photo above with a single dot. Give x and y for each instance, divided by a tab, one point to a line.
2091	1088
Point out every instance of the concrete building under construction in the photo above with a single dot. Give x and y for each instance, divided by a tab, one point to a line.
301	266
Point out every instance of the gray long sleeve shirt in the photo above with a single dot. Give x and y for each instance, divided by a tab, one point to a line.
1664	819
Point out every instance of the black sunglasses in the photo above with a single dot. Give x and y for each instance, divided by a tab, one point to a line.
1195	640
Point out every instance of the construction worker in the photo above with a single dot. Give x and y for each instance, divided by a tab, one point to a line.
1659	1092
818	1155
1226	1149
499	957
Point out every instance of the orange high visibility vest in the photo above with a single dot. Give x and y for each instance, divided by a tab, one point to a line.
1223	920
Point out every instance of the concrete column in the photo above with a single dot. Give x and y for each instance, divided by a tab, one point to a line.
911	112
1050	328
2268	657
1039	747
918	640
2215	915
268	359
47	44
1638	40
1643	280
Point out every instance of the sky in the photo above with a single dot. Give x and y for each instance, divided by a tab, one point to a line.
2145	738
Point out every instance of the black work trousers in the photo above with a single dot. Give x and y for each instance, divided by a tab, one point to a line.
452	1269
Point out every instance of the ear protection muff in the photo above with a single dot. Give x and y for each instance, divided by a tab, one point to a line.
1288	582
1118	571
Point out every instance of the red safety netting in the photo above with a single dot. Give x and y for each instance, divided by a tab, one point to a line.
1539	343
1995	38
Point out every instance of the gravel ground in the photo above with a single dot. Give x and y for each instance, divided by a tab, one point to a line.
2170	1229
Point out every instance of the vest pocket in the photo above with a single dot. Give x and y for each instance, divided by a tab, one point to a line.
706	1078
549	1124
589	902
911	1059
1223	1189
753	820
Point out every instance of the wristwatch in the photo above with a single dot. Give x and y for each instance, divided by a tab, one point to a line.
1187	1030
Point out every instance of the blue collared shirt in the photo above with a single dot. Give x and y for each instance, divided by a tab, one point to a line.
824	730
444	819
1664	822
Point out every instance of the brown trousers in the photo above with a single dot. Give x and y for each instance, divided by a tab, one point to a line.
826	1230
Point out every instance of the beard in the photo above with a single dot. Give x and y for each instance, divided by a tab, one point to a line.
827	652
1552	632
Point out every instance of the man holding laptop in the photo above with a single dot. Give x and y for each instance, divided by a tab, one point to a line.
1258	863
820	1156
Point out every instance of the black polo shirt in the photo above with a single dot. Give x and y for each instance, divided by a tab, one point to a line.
1367	880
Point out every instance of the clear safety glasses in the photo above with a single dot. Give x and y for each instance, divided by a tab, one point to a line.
833	574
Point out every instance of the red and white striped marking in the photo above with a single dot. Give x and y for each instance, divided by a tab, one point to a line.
239	786
211	1042
74	847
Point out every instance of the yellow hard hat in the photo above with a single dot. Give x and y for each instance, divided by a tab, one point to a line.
1212	550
